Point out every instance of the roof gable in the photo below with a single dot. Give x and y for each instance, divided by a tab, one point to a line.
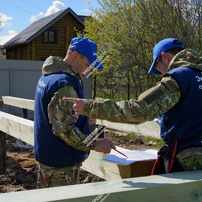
39	26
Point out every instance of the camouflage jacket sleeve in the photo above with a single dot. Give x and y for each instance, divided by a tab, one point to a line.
63	120
149	105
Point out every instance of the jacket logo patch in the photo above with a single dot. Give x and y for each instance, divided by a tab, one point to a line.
199	80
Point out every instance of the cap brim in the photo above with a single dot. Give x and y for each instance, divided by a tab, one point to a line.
97	64
152	70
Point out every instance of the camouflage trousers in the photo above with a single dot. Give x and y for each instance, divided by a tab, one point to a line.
191	158
51	177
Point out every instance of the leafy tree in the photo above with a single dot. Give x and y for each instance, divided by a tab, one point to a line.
126	31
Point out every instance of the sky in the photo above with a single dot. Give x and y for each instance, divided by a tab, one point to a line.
16	15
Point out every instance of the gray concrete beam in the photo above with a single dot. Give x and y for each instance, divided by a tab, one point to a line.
175	187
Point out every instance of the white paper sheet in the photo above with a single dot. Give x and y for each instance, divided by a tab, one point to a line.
133	156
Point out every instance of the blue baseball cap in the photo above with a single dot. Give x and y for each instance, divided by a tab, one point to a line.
163	46
87	48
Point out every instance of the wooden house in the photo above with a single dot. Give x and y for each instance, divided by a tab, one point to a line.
2	53
48	36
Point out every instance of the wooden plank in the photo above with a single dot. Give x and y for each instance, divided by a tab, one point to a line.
149	189
103	169
148	129
2	152
176	187
22	129
18	102
96	164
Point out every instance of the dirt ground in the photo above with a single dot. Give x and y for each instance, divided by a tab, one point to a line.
21	167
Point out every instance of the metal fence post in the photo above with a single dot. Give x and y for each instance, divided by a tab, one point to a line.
2	152
25	113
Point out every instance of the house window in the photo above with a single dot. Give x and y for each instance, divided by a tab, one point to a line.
50	36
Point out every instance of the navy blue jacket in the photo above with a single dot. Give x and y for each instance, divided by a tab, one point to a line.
49	149
184	121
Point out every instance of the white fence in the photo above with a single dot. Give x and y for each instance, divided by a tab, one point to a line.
18	78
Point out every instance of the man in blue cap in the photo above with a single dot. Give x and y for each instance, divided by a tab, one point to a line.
59	134
176	99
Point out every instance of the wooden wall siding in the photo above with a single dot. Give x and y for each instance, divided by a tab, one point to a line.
38	50
10	53
19	52
65	30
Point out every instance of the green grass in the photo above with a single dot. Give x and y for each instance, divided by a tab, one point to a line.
133	138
